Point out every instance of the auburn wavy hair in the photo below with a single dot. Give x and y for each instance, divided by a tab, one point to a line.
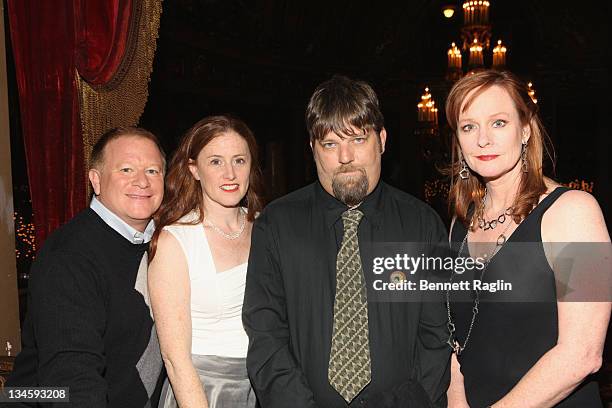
183	193
467	194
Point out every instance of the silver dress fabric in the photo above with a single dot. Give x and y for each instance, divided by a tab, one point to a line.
225	382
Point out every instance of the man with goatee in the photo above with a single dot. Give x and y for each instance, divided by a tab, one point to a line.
316	340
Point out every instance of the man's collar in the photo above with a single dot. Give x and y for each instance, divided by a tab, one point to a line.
128	232
333	208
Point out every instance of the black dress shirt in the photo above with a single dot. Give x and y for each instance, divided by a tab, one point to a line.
289	300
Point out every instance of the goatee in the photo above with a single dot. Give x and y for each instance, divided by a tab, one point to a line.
350	189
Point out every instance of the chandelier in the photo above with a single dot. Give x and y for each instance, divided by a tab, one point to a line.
476	40
428	112
476	48
473	51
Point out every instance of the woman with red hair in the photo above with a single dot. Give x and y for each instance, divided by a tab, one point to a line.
528	347
198	264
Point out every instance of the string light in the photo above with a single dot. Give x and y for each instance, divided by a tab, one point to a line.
583	185
440	187
436	188
25	238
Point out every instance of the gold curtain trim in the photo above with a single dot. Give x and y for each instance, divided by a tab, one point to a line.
122	100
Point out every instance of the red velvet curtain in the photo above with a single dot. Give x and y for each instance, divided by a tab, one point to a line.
51	39
102	28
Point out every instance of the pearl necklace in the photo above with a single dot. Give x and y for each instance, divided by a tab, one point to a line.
231	235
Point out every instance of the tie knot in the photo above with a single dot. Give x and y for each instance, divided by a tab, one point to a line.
351	218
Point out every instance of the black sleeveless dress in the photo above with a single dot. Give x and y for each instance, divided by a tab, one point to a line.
513	329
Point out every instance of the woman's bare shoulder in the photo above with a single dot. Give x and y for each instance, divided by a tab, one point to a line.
575	217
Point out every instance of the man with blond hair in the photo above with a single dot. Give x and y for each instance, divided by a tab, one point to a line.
88	328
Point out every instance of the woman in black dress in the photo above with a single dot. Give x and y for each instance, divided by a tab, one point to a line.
524	347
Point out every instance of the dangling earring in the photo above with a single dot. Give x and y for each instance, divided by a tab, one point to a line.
464	173
524	164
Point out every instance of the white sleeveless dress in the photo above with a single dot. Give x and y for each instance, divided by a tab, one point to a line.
219	343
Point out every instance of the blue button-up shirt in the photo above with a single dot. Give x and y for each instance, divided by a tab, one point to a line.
116	223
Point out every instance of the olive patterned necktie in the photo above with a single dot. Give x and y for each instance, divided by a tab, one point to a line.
349	360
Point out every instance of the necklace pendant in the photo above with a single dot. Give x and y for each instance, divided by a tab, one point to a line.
454	344
451	342
501	240
456	348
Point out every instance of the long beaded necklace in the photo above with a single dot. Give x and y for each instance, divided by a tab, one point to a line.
231	235
452	340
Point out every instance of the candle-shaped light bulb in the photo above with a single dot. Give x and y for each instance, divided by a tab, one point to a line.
426	107
499	55
476	54
454	58
531	92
